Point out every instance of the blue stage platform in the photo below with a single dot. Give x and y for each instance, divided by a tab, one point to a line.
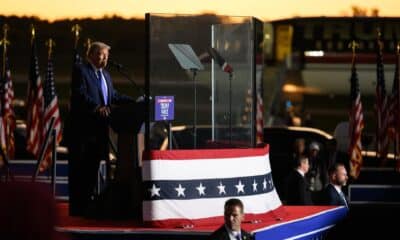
296	222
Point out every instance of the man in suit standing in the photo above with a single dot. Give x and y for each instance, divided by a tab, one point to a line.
233	216
297	189
92	94
333	193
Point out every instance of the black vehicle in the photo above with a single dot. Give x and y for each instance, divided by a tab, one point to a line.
281	141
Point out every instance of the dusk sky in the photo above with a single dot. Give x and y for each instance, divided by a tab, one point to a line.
263	9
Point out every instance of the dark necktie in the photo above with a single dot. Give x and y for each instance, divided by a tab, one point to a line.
103	86
238	236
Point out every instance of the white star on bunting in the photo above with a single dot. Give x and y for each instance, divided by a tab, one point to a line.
180	190
154	190
201	189
255	186
221	188
265	184
240	187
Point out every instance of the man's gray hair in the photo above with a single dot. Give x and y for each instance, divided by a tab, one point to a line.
95	46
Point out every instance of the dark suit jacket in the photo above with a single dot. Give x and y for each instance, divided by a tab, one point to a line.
86	96
222	234
297	192
332	197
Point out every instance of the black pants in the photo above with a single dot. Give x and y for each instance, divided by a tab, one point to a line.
83	165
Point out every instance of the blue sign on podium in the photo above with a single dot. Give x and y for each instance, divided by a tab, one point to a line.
164	108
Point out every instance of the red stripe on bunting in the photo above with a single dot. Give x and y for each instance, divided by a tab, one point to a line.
204	154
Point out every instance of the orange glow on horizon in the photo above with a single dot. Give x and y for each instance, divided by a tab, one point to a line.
265	10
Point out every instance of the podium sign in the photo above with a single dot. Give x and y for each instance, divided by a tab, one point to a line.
164	108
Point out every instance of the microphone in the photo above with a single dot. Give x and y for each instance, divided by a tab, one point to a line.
115	64
220	60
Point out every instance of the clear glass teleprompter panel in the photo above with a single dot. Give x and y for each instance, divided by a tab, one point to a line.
213	104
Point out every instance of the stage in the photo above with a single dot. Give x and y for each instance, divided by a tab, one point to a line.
294	222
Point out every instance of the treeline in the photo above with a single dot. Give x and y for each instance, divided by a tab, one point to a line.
125	36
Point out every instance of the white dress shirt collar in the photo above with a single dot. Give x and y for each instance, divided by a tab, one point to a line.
232	234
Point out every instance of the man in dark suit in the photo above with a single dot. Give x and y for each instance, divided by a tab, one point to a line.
233	216
297	190
92	94
333	194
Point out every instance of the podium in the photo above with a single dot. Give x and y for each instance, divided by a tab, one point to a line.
126	121
123	197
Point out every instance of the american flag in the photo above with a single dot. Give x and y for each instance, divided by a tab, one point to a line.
260	120
35	106
381	106
189	187
356	124
7	97
394	108
3	143
50	110
260	103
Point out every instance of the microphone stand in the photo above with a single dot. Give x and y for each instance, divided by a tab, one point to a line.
194	72
120	70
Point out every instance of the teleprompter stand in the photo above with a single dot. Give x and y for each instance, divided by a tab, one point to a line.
188	60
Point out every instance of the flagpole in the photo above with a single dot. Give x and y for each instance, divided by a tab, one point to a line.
50	44
4	42
33	33
46	141
379	115
54	161
76	29
396	152
377	149
397	114
87	45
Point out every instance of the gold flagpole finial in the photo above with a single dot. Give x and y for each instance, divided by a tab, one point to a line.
5	30
76	29
353	45
379	39
87	45
378	32
33	32
50	44
398	47
4	42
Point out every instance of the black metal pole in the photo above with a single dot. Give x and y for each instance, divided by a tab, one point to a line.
43	148
194	71
6	164
169	135
147	82
54	162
